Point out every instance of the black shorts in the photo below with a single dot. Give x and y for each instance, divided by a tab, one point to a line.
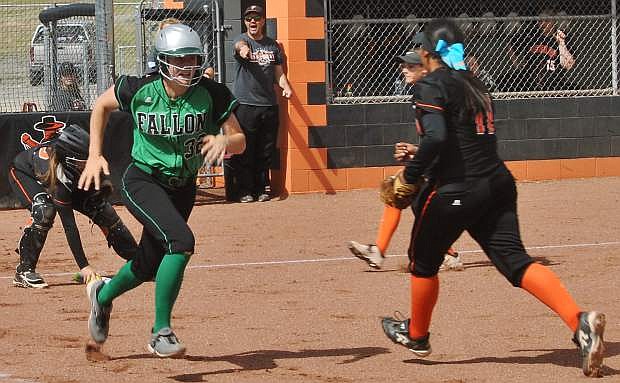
484	207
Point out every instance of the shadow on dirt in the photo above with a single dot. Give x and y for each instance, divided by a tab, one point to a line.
560	357
266	359
211	196
542	260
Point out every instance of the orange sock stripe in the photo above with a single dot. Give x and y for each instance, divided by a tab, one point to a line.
21	187
545	285
387	227
424	293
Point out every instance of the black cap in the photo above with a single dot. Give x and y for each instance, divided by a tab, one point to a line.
254	9
420	40
411	57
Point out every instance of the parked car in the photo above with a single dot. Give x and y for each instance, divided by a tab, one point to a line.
75	44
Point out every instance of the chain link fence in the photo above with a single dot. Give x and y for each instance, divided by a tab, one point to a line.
513	46
52	66
25	60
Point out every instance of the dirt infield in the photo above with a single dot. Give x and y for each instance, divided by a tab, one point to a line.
272	295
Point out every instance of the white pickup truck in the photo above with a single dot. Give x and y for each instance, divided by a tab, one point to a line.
75	45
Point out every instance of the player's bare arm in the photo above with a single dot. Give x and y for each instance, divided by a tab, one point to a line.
96	163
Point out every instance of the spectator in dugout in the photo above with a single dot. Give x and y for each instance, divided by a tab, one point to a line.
541	55
68	96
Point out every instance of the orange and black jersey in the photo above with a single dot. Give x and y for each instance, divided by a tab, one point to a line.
35	162
28	172
463	145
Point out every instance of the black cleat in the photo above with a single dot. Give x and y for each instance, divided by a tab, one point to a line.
398	332
589	340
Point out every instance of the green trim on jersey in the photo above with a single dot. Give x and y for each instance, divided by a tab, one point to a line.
168	133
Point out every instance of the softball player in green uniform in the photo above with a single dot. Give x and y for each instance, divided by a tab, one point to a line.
178	115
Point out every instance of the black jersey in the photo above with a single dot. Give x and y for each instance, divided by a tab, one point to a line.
540	55
464	146
35	161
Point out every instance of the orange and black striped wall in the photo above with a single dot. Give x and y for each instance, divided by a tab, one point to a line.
325	148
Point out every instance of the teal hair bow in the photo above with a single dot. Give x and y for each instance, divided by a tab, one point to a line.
452	54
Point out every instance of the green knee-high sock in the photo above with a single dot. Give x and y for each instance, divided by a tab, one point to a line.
167	286
123	281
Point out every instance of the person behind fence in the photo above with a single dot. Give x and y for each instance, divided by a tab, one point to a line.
258	65
541	55
181	120
473	64
44	178
475	192
68	96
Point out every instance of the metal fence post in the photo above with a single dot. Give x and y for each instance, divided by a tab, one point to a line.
104	53
614	47
139	41
221	66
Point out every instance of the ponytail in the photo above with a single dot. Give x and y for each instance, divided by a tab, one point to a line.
49	178
477	95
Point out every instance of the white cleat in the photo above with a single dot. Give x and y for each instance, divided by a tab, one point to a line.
368	253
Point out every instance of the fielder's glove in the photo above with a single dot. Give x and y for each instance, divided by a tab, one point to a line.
395	193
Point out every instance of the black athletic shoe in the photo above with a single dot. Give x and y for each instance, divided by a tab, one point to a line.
29	279
398	332
589	340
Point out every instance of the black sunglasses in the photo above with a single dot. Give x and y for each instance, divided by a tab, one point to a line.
255	18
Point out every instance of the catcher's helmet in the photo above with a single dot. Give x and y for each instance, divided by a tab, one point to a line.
73	141
179	40
72	148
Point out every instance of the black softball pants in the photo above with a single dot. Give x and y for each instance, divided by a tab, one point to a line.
486	208
163	211
251	168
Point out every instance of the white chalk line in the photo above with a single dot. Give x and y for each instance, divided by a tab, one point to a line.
350	258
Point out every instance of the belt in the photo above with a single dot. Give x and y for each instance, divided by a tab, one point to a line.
172	181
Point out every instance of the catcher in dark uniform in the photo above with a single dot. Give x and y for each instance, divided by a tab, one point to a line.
181	120
474	192
44	178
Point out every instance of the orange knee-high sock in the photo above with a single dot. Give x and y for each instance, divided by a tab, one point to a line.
424	293
387	227
542	283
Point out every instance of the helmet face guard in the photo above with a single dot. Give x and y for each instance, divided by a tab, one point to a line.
179	40
74	166
195	71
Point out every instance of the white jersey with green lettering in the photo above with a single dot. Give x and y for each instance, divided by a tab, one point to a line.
168	134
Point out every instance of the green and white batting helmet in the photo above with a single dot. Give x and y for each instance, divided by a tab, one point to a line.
179	40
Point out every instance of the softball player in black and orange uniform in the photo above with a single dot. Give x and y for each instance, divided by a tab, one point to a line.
178	115
44	178
374	254
476	193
